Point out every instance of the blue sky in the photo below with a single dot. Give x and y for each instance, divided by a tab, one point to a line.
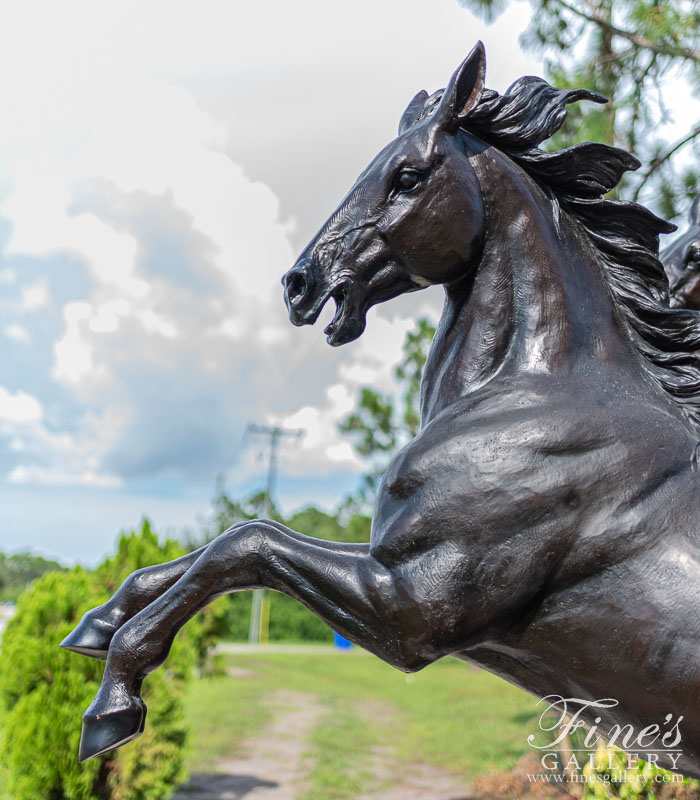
161	165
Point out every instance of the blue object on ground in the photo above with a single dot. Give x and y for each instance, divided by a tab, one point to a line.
341	643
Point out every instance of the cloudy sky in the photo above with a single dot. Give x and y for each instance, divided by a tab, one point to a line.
161	165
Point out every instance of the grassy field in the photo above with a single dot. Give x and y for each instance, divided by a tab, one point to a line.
449	715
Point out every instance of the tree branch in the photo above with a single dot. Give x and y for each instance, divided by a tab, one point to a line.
640	41
662	159
616	56
639	107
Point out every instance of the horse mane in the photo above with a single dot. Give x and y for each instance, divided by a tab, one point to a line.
625	234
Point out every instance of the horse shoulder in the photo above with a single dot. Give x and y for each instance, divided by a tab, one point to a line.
531	474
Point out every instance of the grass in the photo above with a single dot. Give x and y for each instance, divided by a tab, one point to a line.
222	711
449	715
337	751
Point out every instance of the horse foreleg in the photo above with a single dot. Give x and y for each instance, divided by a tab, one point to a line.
93	634
343	584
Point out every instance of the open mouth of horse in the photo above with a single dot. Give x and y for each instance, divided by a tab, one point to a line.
349	319
353	299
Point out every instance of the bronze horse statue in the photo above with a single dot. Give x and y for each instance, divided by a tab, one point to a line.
545	523
682	263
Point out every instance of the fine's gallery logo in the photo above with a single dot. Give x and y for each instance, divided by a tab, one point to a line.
581	751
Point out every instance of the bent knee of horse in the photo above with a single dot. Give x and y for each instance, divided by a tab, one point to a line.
249	538
238	547
245	523
137	582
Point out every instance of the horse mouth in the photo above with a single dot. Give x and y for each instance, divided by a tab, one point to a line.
348	321
352	298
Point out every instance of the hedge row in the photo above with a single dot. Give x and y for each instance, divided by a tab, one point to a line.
44	690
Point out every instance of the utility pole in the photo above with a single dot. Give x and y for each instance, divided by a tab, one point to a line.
260	613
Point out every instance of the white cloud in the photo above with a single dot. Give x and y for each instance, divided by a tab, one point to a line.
107	317
155	323
179	244
321	442
134	168
33	454
19	407
35	296
47	476
18	333
73	353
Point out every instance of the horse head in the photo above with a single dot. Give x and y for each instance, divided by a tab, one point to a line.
414	217
682	263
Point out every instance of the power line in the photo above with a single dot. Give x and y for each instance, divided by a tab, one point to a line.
274	434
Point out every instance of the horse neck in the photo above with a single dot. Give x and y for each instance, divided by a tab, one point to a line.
537	302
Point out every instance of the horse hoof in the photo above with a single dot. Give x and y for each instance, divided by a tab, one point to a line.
103	733
91	637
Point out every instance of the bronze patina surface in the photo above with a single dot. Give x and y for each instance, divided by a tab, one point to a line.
545	522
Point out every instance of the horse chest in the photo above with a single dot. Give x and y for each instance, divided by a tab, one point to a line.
507	475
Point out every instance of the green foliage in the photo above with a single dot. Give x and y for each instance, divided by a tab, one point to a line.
358	528
410	370
17	571
626	50
610	775
374	424
229	511
380	425
44	690
290	621
322	525
458	718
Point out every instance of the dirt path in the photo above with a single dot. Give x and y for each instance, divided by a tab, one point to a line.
415	782
272	766
269	767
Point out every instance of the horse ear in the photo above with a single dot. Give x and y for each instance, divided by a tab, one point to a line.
694	214
412	112
464	89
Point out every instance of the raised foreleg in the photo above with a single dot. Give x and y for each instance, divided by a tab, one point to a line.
377	607
93	634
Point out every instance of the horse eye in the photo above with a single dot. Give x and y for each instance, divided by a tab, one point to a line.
407	180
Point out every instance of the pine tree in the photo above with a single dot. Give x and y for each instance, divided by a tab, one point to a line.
628	50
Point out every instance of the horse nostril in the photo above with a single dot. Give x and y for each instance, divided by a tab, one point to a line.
296	285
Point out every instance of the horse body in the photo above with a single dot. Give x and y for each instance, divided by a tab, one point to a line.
560	570
544	523
563	544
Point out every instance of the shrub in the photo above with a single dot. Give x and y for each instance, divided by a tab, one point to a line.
44	690
290	621
17	571
609	777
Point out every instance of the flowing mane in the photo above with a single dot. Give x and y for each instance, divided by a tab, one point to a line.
626	235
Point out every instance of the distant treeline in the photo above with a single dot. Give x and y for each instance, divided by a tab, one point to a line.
18	570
